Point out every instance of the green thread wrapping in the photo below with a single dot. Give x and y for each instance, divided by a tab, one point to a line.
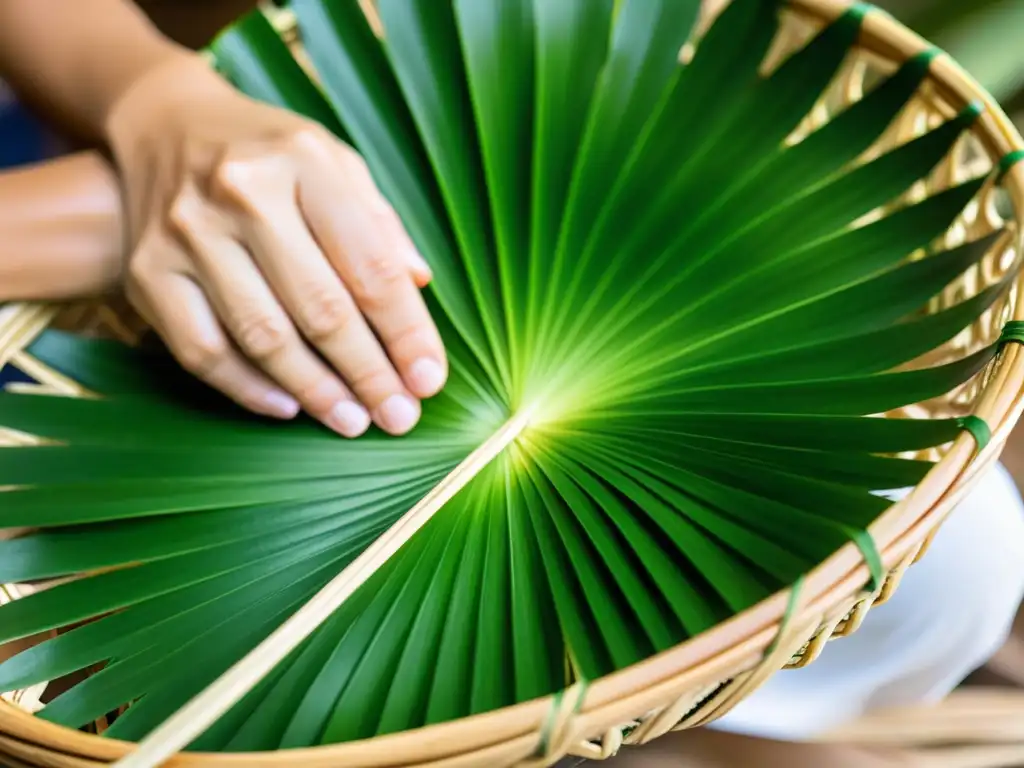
979	430
556	704
860	10
1012	331
787	617
929	54
969	115
1009	160
549	724
872	557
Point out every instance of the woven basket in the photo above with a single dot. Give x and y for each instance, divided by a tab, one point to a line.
703	679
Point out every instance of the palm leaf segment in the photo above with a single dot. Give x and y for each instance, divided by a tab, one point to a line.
631	258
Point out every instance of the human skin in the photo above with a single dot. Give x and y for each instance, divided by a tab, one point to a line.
257	244
254	239
62	230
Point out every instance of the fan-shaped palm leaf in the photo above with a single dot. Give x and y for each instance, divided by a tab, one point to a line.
689	317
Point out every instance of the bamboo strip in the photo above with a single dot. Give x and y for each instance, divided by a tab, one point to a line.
19	324
971	757
970	716
199	714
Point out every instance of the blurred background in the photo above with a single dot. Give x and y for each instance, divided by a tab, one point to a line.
987	38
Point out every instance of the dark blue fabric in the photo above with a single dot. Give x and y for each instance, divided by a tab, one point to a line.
9	374
22	138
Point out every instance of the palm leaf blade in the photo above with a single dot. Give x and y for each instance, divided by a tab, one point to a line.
699	395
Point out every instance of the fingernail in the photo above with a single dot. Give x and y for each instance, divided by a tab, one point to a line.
398	414
418	262
426	377
280	405
348	419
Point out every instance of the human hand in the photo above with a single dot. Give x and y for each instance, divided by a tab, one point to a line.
263	254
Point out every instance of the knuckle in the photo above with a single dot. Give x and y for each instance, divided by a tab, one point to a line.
185	213
234	174
261	335
382	267
255	182
374	384
317	394
200	356
384	216
326	312
376	280
415	340
147	263
307	137
141	270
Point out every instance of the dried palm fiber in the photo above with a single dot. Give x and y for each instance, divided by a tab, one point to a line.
973	728
702	679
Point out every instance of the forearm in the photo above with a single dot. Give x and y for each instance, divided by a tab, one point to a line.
62	230
73	60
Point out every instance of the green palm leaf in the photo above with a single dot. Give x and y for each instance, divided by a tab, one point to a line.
629	250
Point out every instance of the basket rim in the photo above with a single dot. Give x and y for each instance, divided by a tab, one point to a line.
615	698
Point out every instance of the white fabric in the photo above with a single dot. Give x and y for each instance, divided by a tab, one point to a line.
951	613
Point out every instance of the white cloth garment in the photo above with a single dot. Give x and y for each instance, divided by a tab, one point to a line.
952	611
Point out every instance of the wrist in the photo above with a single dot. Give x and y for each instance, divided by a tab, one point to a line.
111	79
158	93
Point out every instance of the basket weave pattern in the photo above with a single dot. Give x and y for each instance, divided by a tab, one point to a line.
705	678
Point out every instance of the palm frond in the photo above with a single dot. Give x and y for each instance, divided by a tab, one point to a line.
703	314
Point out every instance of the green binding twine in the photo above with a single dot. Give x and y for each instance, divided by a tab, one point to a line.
1013	331
872	557
552	720
979	430
788	616
1009	160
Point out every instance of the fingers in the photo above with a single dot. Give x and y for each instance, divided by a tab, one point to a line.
329	318
179	310
419	270
364	240
262	329
387	297
360	305
292	284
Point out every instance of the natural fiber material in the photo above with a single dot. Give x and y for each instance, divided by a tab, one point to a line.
191	721
556	735
973	728
703	679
